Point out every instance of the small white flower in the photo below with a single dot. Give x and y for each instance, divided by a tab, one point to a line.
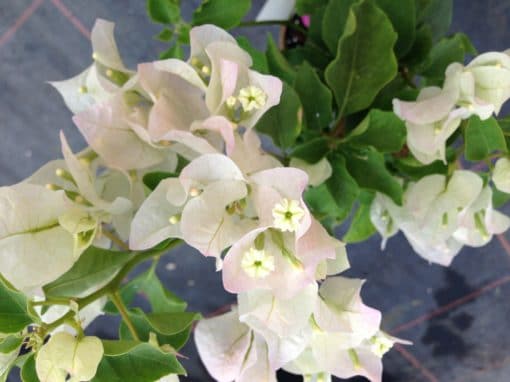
257	264
287	215
252	98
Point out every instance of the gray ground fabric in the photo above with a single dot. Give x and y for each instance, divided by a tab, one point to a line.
457	317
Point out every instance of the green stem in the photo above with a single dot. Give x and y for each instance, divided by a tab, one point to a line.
286	23
113	285
119	304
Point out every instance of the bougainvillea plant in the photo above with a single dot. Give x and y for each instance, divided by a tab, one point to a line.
373	115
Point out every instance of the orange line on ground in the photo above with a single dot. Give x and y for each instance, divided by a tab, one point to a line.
416	364
451	305
22	19
72	18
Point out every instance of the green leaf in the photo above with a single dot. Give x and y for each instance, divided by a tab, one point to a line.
336	196
14	312
446	51
10	343
415	170
315	97
402	14
175	51
152	179
258	57
304	7
482	138
128	361
277	63
499	198
334	22
222	13
361	227
165	35
160	298
95	267
28	371
382	130
167	333
164	11
283	121
437	14
368	168
418	56
365	61
312	150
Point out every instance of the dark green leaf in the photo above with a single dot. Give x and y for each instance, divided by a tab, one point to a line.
160	298
14	313
164	11
499	198
413	169
446	51
304	7
482	138
175	51
334	22
365	61
10	343
165	35
283	121
315	97
312	150
258	57
418	56
382	130
402	14
94	267
166	333
128	361
397	88
368	168
361	227
336	196
28	372
277	63
437	14
152	179
222	13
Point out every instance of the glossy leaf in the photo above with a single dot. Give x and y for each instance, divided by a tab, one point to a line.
365	61
148	284
277	63
482	138
336	196
315	97
382	130
95	267
402	14
334	22
14	313
130	361
283	121
368	168
164	11
221	13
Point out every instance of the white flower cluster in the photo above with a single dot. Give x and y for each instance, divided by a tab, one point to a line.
232	201
480	88
440	215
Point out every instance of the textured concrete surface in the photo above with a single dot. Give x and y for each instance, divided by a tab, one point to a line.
456	317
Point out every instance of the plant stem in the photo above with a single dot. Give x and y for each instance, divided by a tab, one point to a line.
113	285
115	240
287	23
119	304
